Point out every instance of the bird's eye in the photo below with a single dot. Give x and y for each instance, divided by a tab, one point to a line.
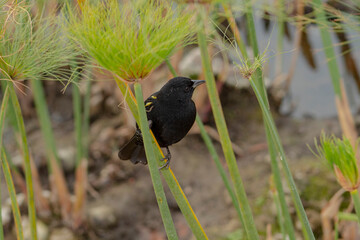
187	89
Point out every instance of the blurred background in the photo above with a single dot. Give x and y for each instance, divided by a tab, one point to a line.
120	201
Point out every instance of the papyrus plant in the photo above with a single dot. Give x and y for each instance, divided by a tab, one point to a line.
341	157
131	40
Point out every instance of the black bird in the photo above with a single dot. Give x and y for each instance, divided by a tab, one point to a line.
171	113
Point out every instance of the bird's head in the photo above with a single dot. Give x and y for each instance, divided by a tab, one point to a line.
180	88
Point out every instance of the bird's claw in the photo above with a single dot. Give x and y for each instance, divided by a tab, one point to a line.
166	159
166	164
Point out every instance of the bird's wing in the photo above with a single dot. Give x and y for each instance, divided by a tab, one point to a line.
149	102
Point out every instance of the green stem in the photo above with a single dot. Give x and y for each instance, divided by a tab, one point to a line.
220	168
153	166
274	164
169	176
249	224
4	104
328	45
276	139
27	166
171	68
86	121
275	143
280	36
280	214
356	199
234	28
347	216
279	187
1	224
213	153
2	121
44	119
12	194
77	116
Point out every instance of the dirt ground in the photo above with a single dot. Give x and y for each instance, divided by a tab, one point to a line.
127	190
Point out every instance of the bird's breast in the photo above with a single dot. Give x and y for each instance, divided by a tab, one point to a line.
172	122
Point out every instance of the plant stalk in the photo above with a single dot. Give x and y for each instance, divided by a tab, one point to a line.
153	166
2	121
213	153
356	199
54	164
249	224
168	174
12	194
44	119
272	149
27	166
273	138
276	139
77	117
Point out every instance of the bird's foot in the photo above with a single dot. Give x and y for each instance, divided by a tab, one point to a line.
166	159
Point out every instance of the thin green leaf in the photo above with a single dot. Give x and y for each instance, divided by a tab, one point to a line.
249	224
356	199
12	194
33	48
25	149
153	167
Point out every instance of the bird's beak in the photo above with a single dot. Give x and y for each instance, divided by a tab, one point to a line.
197	83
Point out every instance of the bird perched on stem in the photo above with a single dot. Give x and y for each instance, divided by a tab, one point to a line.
171	113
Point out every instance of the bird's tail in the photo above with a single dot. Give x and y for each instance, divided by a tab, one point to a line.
133	152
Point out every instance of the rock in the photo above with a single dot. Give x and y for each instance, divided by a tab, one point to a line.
96	102
6	215
21	201
42	229
67	157
17	160
191	65
102	216
62	234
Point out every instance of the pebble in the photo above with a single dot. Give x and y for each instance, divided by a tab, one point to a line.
6	215
191	63
62	234
42	229
67	157
102	216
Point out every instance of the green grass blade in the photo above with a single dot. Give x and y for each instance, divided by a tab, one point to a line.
153	167
249	224
220	168
86	119
169	176
3	110
328	45
44	119
279	187
77	116
260	87
280	214
12	193
348	216
356	199
28	174
276	139
53	161
1	224
2	122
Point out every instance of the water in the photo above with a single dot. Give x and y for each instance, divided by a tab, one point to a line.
311	92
